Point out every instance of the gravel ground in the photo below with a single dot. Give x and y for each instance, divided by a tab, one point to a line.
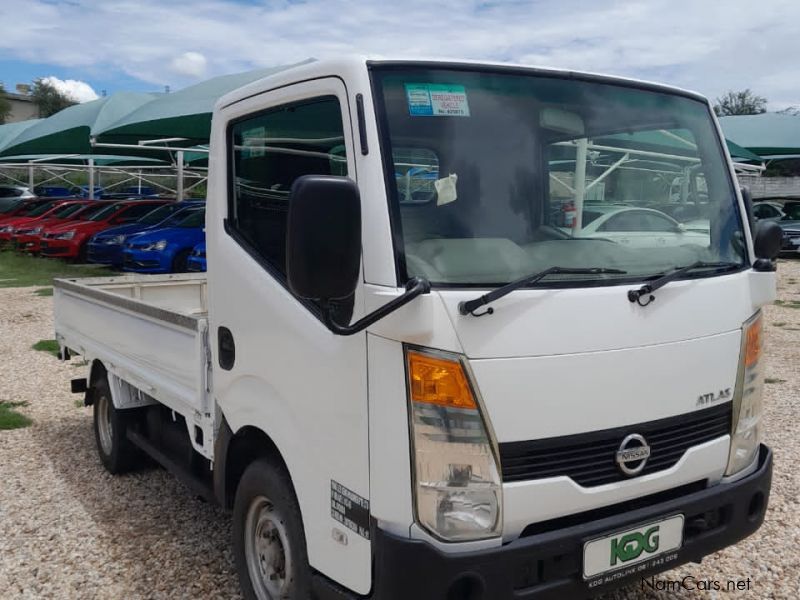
70	530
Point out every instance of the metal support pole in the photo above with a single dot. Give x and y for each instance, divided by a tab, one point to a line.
30	175
179	186
91	179
580	181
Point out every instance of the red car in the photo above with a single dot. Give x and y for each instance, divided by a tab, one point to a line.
69	240
26	237
9	226
20	208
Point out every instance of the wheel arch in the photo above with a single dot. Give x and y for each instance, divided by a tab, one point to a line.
234	452
97	370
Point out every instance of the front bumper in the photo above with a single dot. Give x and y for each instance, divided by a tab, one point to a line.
27	242
60	248
104	254
549	565
145	261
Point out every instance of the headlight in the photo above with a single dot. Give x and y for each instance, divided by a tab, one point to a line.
36	230
117	239
159	245
7	229
747	398
456	473
67	235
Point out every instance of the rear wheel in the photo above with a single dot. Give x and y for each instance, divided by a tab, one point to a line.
268	540
181	261
116	452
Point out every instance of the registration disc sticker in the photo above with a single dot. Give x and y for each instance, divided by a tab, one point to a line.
437	100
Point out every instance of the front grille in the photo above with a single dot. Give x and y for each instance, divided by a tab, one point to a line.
589	458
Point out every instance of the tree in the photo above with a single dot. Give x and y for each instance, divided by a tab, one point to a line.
744	102
790	110
49	99
5	105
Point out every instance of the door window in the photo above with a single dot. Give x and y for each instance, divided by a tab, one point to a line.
268	152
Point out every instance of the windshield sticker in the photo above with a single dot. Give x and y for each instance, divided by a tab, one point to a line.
436	100
446	189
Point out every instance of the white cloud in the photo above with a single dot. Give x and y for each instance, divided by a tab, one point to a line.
707	46
192	64
79	91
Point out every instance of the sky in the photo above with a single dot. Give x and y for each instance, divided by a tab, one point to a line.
93	46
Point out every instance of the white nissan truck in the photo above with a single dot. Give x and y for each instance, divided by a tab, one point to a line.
455	340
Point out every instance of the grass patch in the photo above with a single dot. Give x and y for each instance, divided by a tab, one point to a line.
774	380
19	270
48	291
10	418
788	303
50	346
79	403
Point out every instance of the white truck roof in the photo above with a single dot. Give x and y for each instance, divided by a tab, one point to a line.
355	64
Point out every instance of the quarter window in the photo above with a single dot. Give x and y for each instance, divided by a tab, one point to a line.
268	152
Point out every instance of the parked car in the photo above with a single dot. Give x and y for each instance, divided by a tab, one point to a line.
106	247
69	240
26	237
165	250
20	208
10	193
197	259
768	211
53	191
82	191
637	227
42	211
790	224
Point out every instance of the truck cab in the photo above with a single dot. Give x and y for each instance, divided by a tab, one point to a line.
421	377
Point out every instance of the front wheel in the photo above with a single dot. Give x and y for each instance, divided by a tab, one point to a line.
180	264
268	539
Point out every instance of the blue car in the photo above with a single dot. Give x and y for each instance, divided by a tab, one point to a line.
197	259
165	250
105	248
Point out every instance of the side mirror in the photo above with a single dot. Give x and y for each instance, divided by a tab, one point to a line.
323	237
767	240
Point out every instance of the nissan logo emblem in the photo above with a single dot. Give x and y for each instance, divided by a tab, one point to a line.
632	454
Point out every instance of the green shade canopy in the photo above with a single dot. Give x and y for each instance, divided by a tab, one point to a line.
679	142
183	114
767	134
739	154
11	130
69	131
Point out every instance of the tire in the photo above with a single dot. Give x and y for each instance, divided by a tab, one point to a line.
181	261
116	452
269	543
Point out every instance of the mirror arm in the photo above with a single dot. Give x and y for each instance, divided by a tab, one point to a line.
416	287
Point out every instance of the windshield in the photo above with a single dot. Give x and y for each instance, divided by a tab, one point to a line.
87	211
67	210
41	209
9	204
499	175
102	215
162	213
197	218
10	192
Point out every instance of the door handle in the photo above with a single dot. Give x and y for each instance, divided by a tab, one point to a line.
226	348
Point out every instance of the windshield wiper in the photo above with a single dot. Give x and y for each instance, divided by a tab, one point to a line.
652	286
468	307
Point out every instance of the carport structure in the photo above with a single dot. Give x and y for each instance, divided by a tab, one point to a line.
145	137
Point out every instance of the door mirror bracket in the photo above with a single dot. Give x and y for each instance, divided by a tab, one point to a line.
416	287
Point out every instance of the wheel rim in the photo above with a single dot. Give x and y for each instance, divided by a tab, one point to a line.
104	429
267	550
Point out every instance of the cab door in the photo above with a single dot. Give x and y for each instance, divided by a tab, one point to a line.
276	367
